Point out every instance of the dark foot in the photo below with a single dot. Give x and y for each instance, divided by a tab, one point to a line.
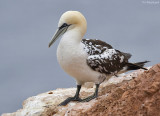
75	98
89	98
65	102
95	95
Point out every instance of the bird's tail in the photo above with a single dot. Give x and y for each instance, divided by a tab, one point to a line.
135	66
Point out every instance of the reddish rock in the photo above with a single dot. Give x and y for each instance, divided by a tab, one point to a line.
122	96
139	97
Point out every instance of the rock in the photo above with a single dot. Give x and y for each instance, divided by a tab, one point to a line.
136	93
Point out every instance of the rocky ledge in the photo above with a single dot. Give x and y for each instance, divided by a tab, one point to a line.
133	94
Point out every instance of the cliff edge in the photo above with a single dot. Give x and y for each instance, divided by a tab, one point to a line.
132	94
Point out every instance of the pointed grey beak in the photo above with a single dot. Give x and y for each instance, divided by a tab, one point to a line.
57	34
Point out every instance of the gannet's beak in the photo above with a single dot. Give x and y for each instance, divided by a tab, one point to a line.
60	31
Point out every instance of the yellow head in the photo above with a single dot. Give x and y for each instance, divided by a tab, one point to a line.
73	18
68	21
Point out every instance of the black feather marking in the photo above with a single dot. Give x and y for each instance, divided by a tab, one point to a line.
104	59
110	61
64	25
93	46
135	66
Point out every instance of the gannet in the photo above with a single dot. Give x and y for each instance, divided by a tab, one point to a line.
87	60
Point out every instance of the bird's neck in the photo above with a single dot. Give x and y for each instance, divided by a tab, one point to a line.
73	36
69	47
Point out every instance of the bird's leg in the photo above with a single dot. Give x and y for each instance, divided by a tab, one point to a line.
95	95
75	98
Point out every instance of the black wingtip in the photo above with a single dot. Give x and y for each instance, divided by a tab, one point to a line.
138	65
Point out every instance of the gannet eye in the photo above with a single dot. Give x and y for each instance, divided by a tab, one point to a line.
64	25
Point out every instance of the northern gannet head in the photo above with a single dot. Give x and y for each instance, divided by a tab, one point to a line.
70	20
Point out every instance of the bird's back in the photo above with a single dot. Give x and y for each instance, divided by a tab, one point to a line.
103	58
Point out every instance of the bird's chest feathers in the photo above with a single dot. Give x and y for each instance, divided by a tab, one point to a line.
69	54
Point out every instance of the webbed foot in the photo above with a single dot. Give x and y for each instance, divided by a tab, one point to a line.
89	98
65	102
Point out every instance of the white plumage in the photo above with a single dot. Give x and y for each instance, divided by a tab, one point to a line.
87	60
72	58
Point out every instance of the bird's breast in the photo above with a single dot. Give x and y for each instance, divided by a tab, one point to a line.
71	56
